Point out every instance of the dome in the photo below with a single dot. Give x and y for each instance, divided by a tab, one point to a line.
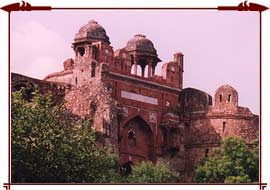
226	88
226	96
93	32
140	43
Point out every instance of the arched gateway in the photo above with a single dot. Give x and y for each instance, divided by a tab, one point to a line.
136	141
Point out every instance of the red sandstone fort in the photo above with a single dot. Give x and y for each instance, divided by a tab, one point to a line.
144	116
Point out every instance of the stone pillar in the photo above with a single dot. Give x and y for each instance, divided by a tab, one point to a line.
88	50
153	70
143	70
149	70
135	62
135	69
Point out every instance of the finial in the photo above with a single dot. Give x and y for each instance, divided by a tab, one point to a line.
140	35
92	22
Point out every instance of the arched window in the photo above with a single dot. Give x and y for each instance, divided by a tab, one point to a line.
229	98
81	51
95	52
93	69
223	126
220	98
131	138
76	80
206	152
132	59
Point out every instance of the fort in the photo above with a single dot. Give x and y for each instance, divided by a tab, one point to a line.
141	115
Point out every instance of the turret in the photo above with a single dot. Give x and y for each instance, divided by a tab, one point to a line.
92	47
172	71
178	58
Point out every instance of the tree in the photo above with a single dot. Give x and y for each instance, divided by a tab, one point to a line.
234	162
147	172
48	144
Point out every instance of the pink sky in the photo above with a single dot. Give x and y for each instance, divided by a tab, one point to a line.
219	47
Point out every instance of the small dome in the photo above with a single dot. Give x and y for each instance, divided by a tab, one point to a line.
226	96
140	43
226	88
93	32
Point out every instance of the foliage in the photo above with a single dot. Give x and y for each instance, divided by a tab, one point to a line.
147	172
232	163
48	144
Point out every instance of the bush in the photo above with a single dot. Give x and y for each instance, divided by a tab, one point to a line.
232	163
48	144
147	172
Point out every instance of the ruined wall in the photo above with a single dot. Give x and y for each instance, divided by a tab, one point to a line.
92	98
193	100
193	156
173	150
210	130
206	133
207	125
104	52
121	62
57	90
64	76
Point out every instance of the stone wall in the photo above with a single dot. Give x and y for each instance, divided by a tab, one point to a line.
57	90
92	98
194	100
206	131
193	156
64	76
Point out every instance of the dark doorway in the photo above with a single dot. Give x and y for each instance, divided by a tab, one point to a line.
137	141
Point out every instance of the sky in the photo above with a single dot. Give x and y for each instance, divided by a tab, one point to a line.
219	47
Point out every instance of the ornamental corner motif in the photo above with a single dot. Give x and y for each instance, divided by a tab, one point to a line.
244	6
23	6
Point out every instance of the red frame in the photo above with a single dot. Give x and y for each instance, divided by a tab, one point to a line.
27	7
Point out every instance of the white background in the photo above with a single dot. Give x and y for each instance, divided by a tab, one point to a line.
129	3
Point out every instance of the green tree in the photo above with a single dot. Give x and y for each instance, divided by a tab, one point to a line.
147	172
234	162
48	144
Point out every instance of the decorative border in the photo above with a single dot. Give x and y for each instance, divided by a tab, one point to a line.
25	6
243	6
6	186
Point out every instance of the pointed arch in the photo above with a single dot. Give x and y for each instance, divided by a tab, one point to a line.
137	141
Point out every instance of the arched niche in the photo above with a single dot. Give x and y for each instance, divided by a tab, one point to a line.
137	143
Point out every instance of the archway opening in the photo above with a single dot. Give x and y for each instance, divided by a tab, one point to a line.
136	141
